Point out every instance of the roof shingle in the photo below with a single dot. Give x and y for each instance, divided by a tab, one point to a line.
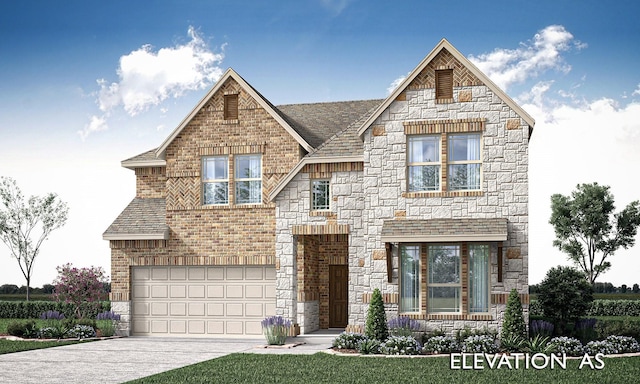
142	219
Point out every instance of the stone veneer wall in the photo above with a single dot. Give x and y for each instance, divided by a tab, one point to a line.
363	200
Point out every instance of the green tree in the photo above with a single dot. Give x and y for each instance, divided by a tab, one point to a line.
635	288
376	327
25	225
513	322
565	296
588	230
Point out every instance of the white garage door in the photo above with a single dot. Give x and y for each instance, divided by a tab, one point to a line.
202	300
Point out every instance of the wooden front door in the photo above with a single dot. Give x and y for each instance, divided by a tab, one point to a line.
338	295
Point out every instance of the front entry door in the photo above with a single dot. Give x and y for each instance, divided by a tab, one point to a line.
338	295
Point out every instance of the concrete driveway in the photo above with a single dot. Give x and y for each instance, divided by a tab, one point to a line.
120	360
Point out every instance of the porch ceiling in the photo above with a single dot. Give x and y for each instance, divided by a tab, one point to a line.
444	230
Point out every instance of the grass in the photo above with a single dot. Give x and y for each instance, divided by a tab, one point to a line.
324	368
23	297
11	346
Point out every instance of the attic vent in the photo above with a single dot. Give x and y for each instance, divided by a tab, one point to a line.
231	107
444	84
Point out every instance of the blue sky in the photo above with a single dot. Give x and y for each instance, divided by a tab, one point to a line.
86	84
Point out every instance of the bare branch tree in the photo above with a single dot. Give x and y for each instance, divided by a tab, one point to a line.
25	225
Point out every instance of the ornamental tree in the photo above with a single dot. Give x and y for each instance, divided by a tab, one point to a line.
588	230
513	323
24	225
376	326
82	287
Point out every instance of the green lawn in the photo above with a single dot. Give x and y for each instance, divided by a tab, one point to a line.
10	346
324	368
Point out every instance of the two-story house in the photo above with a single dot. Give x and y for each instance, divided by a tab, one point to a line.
249	209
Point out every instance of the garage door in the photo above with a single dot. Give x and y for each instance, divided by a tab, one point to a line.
202	301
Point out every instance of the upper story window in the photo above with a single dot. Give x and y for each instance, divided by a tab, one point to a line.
423	163
215	180
320	195
444	84
464	162
248	179
231	107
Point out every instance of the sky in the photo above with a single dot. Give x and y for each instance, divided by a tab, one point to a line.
85	84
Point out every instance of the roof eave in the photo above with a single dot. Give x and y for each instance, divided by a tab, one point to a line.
160	152
444	44
443	238
311	160
137	236
132	164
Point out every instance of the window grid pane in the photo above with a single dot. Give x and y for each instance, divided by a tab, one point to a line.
215	180
478	278
444	287
320	195
410	278
423	163
248	173
464	162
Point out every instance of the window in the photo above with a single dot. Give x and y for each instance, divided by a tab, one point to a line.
320	195
248	179
478	278
231	107
410	278
423	163
215	180
464	162
444	84
444	288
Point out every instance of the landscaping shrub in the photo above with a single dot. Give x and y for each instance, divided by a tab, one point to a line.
512	343
614	308
584	330
348	340
80	331
567	345
441	344
403	326
513	323
369	346
540	327
376	325
26	329
565	296
33	309
627	326
600	346
624	344
537	344
535	309
276	329
106	323
400	345
462	334
480	344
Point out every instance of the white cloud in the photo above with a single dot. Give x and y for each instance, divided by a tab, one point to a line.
335	6
544	52
395	83
146	77
637	91
97	123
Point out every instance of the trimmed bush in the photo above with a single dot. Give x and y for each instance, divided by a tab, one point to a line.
480	344
81	331
348	340
400	345
513	323
441	344
623	326
565	296
614	308
26	329
567	345
600	346
376	326
624	344
33	309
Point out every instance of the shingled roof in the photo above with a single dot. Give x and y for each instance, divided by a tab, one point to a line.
434	230
142	219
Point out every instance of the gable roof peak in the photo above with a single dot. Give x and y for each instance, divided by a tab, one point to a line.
261	100
444	44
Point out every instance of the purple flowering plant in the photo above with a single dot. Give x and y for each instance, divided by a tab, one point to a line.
403	326
275	329
106	322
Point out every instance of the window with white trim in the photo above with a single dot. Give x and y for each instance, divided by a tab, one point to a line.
320	195
248	179
423	163
443	284
215	180
464	164
409	278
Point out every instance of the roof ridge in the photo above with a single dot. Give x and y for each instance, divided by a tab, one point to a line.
329	102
